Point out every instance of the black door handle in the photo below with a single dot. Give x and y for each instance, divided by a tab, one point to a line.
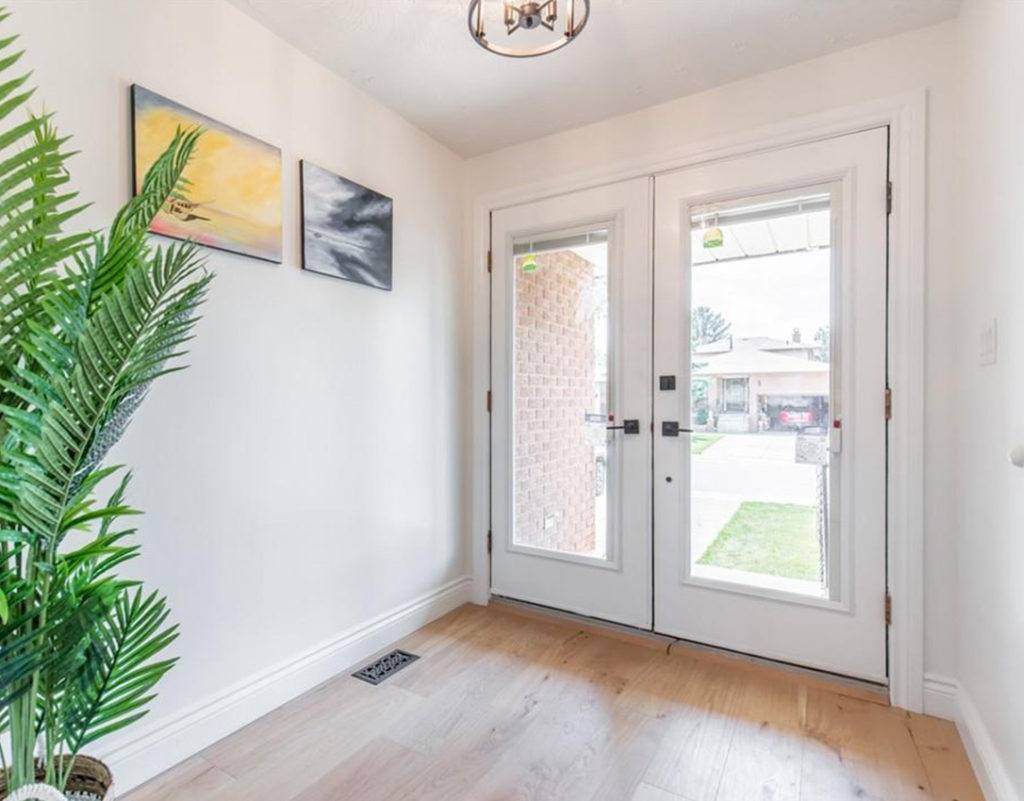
670	428
627	427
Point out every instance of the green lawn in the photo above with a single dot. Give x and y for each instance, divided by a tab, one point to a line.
777	539
701	442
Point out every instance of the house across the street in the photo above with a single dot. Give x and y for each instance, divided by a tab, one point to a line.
759	384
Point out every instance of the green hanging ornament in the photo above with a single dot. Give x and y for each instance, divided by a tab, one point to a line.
713	238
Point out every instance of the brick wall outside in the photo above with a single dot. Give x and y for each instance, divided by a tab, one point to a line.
554	455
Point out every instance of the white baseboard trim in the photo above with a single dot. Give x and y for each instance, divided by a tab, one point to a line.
945	698
940	696
988	766
144	751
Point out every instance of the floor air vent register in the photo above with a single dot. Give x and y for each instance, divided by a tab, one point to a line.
387	665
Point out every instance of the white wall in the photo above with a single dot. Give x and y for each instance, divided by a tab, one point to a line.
924	58
304	476
991	416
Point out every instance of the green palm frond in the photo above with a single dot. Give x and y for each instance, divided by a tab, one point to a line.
51	638
33	210
91	272
120	669
19	653
138	326
85	574
126	242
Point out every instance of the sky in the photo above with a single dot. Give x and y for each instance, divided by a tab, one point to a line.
768	296
763	296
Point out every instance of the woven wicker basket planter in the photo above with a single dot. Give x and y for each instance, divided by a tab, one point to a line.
90	780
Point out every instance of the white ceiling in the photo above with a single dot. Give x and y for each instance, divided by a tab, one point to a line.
417	56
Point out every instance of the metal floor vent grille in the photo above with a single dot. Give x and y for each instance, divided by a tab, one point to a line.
387	665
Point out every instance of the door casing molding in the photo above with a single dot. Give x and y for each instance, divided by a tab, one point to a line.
906	116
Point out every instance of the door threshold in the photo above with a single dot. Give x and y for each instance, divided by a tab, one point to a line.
837	683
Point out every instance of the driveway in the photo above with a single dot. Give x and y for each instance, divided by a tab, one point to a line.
746	467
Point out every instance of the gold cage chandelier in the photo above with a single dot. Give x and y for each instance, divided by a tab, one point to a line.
528	16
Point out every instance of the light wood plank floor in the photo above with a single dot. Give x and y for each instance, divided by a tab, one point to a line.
510	706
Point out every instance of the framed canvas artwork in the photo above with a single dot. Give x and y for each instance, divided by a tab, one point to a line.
346	228
234	201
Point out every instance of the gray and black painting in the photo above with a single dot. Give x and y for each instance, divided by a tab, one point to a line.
346	228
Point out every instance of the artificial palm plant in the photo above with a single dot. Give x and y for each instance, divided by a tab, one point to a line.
87	322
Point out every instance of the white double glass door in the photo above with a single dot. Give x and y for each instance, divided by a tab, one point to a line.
688	428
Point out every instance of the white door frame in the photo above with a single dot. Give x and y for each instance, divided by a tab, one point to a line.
906	115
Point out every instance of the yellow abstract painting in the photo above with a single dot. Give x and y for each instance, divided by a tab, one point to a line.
234	197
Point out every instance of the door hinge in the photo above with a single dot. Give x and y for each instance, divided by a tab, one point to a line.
489	539
888	197
490	262
888	609
488	401
888	403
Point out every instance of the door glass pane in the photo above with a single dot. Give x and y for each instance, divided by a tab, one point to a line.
760	392
561	393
